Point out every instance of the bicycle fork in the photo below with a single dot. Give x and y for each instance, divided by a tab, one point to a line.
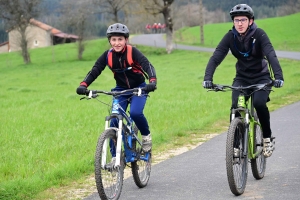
118	147
246	125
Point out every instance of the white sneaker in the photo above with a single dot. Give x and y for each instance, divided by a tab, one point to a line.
269	147
147	142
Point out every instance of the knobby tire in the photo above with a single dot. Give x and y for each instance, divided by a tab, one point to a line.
237	167
109	182
258	165
140	169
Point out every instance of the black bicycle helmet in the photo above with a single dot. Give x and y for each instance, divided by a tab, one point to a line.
117	30
242	10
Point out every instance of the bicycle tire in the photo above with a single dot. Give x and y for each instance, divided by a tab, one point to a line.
236	163
258	164
140	169
109	182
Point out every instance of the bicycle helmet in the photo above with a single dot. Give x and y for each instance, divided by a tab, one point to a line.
242	10
117	30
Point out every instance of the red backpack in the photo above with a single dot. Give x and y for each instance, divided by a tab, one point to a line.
133	66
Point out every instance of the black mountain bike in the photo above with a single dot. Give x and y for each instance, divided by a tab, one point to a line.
244	138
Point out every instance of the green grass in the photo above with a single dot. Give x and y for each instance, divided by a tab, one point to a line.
282	34
48	136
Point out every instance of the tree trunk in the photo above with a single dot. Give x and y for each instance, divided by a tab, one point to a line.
25	52
201	22
169	26
80	49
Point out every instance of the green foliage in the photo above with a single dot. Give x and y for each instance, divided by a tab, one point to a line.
48	136
282	35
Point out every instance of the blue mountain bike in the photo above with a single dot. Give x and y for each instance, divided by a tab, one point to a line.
119	146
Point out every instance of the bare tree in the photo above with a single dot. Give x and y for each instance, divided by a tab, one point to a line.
113	7
77	15
17	14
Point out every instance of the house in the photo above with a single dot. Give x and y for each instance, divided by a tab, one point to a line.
38	35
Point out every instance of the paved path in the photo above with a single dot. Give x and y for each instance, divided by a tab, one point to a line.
201	174
158	41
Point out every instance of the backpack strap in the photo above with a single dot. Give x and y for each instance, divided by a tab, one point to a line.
129	55
109	58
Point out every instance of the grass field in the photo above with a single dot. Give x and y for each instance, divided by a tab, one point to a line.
283	35
48	136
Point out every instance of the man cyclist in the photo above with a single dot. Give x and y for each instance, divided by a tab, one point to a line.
250	45
126	76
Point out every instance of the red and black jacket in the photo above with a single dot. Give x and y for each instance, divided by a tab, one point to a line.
126	75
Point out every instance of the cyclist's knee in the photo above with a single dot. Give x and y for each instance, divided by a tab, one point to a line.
135	114
259	104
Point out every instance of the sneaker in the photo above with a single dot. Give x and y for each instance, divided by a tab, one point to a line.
147	142
269	146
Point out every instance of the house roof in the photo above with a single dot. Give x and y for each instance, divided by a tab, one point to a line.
52	30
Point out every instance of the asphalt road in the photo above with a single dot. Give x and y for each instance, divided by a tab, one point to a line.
201	173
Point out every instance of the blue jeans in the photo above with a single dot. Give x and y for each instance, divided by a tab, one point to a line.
137	105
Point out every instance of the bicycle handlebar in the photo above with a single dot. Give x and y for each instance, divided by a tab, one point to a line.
95	93
219	87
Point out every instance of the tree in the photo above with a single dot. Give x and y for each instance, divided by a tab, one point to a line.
16	14
163	7
112	7
77	18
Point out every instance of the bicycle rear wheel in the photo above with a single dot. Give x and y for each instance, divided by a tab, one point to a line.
236	162
109	180
258	164
140	168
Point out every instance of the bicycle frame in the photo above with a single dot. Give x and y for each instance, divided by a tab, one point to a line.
248	116
130	155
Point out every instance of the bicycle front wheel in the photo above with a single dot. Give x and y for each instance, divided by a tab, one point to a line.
258	164
236	161
140	168
109	179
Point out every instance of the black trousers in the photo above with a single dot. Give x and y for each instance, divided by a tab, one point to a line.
260	100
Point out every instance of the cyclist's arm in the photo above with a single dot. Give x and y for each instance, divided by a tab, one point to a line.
138	57
269	52
218	56
96	70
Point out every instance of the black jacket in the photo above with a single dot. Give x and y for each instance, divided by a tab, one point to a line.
253	66
127	79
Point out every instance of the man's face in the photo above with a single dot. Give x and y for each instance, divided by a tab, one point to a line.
241	23
118	42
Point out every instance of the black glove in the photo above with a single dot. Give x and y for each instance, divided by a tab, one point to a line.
81	90
278	83
150	87
207	84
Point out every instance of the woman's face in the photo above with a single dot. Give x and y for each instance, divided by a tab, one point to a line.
241	23
118	42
